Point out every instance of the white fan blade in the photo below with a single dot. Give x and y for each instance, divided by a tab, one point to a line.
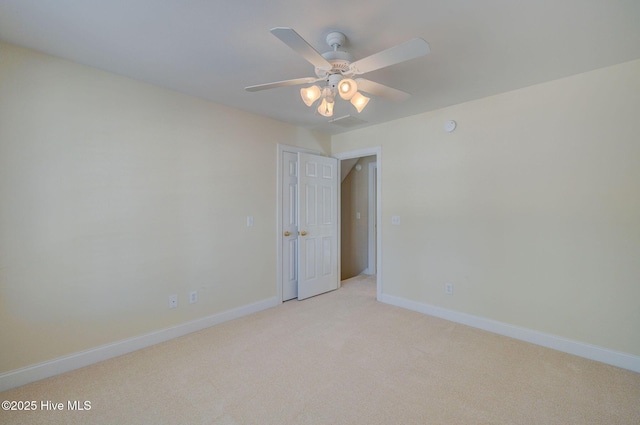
292	39
381	90
402	52
305	80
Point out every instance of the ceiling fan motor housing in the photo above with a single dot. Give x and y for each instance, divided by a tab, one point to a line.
339	60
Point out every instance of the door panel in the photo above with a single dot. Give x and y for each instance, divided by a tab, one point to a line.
309	259
327	266
318	225
310	211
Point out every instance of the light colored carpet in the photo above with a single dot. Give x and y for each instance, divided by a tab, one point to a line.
340	358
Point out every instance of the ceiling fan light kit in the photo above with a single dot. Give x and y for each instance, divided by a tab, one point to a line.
310	94
347	88
336	68
359	101
326	107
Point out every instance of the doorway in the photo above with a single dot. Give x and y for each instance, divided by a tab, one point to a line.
376	216
287	264
357	217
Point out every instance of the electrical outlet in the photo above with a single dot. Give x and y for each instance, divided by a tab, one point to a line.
173	301
448	288
193	297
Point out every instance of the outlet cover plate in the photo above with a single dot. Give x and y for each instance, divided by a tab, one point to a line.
173	301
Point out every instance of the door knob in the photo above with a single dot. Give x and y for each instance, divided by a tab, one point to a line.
303	233
286	233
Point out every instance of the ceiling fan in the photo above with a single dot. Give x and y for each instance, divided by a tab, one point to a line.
336	68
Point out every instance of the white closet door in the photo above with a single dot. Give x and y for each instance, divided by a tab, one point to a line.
317	225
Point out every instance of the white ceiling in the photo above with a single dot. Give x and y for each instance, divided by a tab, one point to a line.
214	48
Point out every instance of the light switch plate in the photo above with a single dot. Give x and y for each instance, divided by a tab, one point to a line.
448	288
395	220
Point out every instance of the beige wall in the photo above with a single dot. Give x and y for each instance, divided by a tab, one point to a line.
115	194
531	208
354	256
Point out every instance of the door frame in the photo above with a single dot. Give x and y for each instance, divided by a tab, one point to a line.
359	153
377	151
372	215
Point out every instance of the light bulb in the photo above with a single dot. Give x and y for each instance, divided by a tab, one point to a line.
359	101
310	94
347	88
326	107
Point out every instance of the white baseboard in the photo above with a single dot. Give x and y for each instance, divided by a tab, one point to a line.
26	375
592	352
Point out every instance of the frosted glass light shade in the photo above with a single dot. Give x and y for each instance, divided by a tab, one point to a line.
326	107
310	94
347	88
359	101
